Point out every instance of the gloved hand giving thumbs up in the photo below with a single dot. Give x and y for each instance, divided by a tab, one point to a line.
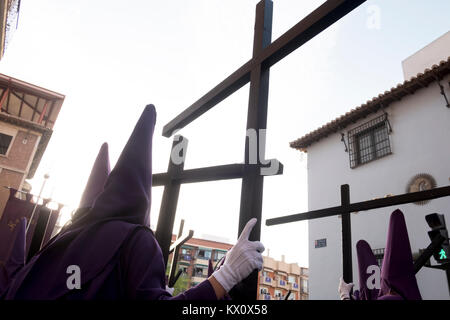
241	260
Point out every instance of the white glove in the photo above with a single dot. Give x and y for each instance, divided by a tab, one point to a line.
170	290
241	260
344	289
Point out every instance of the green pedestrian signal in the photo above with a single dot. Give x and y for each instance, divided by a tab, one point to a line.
436	222
443	255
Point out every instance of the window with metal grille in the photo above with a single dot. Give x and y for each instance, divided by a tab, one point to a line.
369	141
5	141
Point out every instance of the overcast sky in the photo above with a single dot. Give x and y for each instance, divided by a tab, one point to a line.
110	58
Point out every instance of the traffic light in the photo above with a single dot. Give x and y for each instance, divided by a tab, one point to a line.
436	222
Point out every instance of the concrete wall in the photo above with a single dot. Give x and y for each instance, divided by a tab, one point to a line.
433	53
420	143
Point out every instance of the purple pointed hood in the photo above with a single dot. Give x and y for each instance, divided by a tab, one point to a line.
92	241
97	179
127	191
397	272
366	258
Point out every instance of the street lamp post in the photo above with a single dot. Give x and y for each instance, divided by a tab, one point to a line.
46	176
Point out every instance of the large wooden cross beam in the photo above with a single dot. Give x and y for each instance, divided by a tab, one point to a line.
256	71
346	208
175	176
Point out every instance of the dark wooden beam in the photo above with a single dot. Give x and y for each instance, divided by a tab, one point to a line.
253	180
7	101
223	172
363	206
35	109
169	201
347	269
21	104
320	19
50	113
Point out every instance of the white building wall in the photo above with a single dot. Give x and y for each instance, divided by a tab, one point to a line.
433	53
420	143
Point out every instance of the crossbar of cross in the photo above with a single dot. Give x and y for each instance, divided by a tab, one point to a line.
256	71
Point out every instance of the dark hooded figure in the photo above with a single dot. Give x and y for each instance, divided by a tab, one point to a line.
109	252
398	280
16	259
366	258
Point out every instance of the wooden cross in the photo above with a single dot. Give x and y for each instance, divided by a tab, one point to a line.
255	71
175	176
346	208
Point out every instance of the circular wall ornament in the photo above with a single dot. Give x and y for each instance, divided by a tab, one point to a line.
421	182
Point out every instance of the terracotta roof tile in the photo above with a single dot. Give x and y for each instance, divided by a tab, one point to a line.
394	94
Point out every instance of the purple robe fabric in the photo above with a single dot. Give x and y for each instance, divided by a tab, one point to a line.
16	259
397	271
117	253
366	258
15	210
33	223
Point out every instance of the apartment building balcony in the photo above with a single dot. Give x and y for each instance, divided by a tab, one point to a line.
186	258
265	297
282	284
268	281
294	286
201	261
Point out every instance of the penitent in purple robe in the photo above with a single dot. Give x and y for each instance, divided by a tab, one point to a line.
111	243
366	258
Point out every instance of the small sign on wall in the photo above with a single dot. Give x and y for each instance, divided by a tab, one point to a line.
321	243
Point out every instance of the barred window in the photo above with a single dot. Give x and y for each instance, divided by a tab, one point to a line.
369	142
5	141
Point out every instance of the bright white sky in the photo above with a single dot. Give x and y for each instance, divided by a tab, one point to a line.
111	58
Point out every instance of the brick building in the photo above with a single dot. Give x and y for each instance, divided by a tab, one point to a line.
28	114
274	281
277	278
194	256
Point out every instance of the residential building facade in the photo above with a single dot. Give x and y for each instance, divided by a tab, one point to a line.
194	257
398	142
277	279
28	114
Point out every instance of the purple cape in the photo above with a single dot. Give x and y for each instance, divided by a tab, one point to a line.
366	258
16	259
111	244
397	271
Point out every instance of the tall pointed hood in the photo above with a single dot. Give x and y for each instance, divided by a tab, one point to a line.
97	179
127	192
366	258
93	241
397	272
